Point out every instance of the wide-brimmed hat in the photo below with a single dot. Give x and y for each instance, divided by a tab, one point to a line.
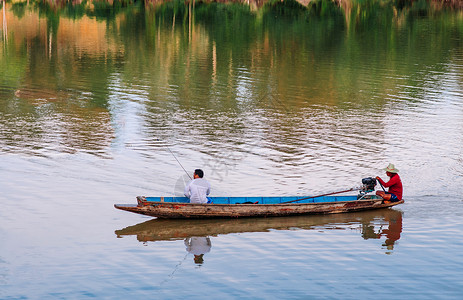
391	169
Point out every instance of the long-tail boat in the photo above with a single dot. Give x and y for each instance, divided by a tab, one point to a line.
235	207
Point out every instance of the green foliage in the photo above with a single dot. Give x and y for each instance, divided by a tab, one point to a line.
12	66
287	8
19	9
74	11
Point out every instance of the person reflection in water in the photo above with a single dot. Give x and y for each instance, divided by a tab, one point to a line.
392	232
198	246
198	189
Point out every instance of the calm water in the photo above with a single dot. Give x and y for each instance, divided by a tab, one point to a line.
269	99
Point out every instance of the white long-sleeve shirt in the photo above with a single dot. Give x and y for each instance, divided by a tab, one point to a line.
197	190
198	245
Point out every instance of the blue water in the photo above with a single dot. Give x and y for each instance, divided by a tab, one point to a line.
77	246
268	103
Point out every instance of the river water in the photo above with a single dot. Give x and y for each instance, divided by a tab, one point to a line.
98	100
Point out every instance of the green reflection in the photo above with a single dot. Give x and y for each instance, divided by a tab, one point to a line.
189	59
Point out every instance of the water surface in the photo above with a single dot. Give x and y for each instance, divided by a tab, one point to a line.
269	98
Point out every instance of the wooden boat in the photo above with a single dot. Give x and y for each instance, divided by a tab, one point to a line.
235	207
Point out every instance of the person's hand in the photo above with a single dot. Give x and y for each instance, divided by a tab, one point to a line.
377	177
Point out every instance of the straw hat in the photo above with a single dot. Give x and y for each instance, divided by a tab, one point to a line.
391	169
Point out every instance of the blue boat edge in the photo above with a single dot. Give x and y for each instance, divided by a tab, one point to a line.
258	199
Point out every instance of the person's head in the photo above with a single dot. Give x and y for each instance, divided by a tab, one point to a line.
198	259
391	170
198	173
389	244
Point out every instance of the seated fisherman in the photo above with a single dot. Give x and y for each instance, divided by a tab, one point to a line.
394	184
198	189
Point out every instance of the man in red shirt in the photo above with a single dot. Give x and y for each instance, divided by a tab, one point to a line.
394	184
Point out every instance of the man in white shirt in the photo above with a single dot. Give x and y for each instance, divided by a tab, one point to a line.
198	246
198	189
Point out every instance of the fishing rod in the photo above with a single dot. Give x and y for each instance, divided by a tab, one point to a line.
175	270
209	200
177	160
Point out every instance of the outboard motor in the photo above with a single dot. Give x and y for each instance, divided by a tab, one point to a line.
368	186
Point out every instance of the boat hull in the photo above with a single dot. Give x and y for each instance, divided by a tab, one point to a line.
173	210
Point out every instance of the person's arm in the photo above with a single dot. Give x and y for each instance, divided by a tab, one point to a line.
392	181
187	243
380	180
187	191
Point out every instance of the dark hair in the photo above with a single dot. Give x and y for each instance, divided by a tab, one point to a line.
199	172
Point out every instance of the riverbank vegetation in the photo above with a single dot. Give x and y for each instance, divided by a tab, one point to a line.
107	9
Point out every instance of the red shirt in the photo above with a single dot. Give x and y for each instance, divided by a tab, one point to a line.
394	184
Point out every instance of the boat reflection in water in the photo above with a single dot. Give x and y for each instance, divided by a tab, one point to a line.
375	224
